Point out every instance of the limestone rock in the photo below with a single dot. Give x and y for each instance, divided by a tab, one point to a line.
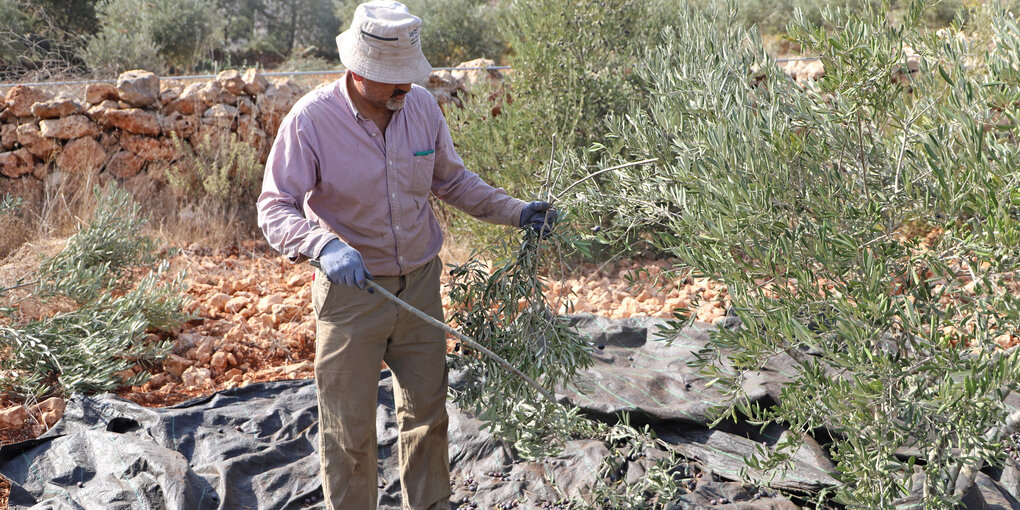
205	350
212	94
219	360
236	303
295	368
66	128
124	165
220	115
188	102
134	120
98	112
274	103
209	136
254	82
180	125
41	170
219	301
51	410
246	125
468	77
231	81
248	131
195	377
803	71
82	155
21	98
16	163
175	364
8	136
283	313
30	137
246	106
96	93
168	95
443	86
266	304
158	380
110	140
149	148
13	418
138	88
55	108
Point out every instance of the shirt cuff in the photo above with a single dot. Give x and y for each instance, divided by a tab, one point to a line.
512	212
321	243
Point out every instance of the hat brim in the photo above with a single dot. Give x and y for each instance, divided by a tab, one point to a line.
382	68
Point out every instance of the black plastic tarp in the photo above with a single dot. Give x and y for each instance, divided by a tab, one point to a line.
256	447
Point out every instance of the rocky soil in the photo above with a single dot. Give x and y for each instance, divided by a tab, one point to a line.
254	322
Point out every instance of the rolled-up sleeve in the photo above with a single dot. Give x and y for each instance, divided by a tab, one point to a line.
292	171
463	189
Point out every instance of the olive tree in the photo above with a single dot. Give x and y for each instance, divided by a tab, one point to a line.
867	225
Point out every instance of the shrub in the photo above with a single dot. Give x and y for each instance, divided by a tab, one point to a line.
572	66
15	224
92	348
112	52
226	170
140	34
215	186
773	16
182	30
866	227
36	43
96	257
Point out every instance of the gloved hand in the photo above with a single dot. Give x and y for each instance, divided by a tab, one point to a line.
539	216
343	264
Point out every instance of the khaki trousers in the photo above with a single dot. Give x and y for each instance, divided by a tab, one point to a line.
356	331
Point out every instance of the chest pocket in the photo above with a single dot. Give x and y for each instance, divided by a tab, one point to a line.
421	173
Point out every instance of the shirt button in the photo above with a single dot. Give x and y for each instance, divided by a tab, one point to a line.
393	195
397	228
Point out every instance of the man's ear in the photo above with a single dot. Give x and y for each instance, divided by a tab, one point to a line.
356	76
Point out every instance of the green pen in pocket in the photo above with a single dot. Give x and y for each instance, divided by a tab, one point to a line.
423	153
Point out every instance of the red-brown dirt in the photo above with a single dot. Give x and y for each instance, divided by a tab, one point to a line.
254	321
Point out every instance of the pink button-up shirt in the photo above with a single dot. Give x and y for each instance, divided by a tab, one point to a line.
331	173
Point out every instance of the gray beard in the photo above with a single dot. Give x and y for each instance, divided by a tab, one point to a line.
395	104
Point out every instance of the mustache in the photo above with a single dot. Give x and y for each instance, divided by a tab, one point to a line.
399	93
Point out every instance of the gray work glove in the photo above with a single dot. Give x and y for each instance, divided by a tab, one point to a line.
539	216
343	264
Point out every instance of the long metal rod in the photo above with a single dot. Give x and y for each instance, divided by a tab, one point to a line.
463	338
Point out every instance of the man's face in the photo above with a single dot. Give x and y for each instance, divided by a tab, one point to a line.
387	95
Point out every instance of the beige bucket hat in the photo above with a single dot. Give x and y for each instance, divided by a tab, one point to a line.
383	44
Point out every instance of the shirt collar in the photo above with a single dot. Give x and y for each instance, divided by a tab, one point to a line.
342	86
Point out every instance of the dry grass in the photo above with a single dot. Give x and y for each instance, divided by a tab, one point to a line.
206	224
5	492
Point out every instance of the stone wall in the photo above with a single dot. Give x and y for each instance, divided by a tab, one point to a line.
136	128
129	129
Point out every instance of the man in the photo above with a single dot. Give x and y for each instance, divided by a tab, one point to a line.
347	183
